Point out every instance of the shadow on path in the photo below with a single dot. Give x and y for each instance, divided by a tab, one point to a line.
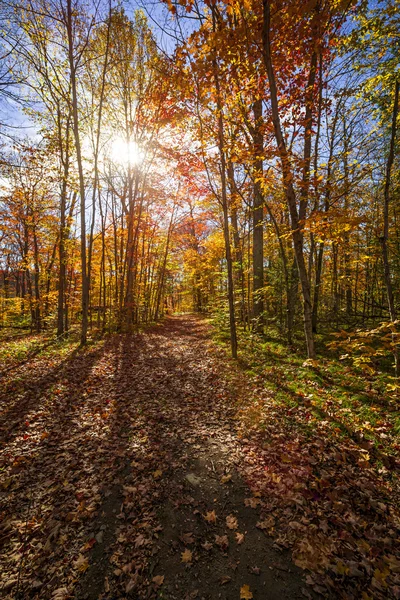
124	474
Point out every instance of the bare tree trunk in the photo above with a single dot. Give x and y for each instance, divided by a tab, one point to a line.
346	237
38	320
321	248
258	218
164	265
238	253
385	236
75	114
97	143
62	283
224	202
295	215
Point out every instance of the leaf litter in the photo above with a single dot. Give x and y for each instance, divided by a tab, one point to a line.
96	447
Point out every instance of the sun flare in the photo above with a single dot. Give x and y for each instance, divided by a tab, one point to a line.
126	153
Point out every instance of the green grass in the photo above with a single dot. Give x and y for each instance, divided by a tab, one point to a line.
17	349
350	402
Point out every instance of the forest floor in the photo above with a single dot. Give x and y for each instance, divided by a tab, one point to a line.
152	466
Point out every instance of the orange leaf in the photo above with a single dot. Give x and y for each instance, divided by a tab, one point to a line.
245	593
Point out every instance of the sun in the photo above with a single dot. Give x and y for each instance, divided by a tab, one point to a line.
126	153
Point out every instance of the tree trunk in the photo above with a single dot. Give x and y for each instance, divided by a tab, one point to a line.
385	235
75	114
258	217
38	320
295	215
224	202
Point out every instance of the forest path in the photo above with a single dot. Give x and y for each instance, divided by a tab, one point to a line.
124	479
191	535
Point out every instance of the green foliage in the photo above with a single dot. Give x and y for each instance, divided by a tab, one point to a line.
347	400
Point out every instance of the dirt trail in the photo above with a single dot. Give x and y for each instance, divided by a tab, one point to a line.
134	491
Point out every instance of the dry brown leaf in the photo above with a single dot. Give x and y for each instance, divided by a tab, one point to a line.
60	594
187	556
211	517
222	540
231	522
239	537
267	523
207	546
81	564
187	538
158	579
252	502
130	585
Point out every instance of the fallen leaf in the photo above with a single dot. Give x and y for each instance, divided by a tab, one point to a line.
61	594
207	546
239	538
252	502
231	522
226	478
245	593
267	523
157	474
187	538
222	540
81	563
130	585
225	579
187	556
158	579
211	517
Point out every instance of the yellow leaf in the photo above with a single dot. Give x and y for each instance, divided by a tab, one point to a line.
245	593
157	474
226	478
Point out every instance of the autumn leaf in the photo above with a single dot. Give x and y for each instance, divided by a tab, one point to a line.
158	579
187	538
245	593
222	541
252	502
211	517
61	594
157	474
226	478
130	585
207	546
267	523
231	522
187	556
81	564
239	538
89	545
